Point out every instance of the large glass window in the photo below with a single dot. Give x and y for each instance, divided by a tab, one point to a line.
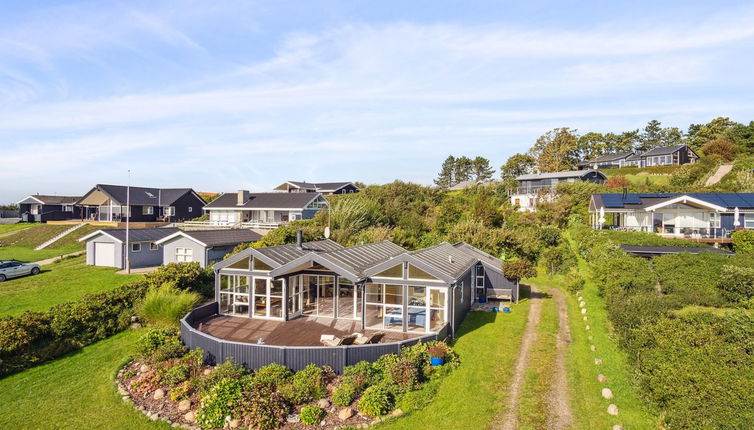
260	297
276	298
234	295
260	265
348	304
240	264
374	305
417	308
417	273
393	272
326	296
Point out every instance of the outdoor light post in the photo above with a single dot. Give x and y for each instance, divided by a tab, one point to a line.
128	218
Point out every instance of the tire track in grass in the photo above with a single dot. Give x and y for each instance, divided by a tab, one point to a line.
510	419
562	415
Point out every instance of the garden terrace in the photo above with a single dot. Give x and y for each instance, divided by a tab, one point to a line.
293	343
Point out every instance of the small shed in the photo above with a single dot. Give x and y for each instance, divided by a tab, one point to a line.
203	246
107	247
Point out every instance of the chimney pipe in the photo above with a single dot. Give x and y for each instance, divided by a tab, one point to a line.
299	239
243	196
625	193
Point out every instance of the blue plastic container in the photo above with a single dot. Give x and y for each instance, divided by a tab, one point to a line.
506	310
495	310
436	361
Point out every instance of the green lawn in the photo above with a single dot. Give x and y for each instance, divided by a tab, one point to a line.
643	178
20	246
73	392
474	394
64	281
7	228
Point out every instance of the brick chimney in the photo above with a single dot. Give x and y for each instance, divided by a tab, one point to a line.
243	197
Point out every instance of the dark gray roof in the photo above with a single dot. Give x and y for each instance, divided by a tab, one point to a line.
644	200
283	254
437	257
224	237
319	186
56	200
657	250
263	201
662	150
609	157
486	259
553	175
143	196
138	234
356	259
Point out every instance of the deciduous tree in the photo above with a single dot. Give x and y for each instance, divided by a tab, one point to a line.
556	150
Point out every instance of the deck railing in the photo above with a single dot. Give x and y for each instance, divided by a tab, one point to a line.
684	232
254	356
221	224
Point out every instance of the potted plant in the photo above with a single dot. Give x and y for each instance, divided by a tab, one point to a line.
437	355
482	297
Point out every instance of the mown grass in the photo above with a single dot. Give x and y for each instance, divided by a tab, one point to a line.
590	409
538	379
475	393
60	282
73	392
20	246
7	228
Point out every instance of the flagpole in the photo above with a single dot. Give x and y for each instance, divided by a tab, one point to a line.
128	218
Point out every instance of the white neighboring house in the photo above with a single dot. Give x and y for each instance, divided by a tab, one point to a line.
263	210
326	188
540	187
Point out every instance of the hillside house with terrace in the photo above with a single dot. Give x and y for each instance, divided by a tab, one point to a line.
663	156
326	188
113	203
534	188
263	210
276	304
702	216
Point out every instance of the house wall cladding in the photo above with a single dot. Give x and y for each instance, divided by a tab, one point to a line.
255	356
168	249
183	203
496	280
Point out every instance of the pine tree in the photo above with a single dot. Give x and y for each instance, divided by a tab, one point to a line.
445	178
481	170
462	169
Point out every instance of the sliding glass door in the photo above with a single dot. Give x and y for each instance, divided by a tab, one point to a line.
267	298
234	295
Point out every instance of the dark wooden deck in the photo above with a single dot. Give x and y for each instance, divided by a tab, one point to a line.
304	331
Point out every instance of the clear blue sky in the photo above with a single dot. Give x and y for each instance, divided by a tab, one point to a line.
225	95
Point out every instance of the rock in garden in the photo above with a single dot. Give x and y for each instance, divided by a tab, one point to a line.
158	394
184	405
345	413
122	390
190	416
582	304
585	318
590	337
397	413
617	427
607	393
612	410
602	378
155	417
583	311
233	424
592	347
126	399
597	361
587	327
134	326
134	318
293	418
144	368
323	403
175	425
207	371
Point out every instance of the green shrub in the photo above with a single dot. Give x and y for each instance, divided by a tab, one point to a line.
558	260
159	344
181	391
344	394
743	241
166	305
174	375
184	276
361	375
376	401
737	283
193	360
263	407
311	415
306	385
223	399
274	374
519	269
694	278
227	370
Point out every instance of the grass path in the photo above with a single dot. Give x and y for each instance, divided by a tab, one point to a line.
471	396
562	418
73	392
59	282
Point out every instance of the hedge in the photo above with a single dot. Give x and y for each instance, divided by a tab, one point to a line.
36	337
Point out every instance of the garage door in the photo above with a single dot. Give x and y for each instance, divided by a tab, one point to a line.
104	254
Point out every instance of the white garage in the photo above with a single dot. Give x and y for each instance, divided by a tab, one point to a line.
104	254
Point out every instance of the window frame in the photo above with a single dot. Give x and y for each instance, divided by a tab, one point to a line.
136	247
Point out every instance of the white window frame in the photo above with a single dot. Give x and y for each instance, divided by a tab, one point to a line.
184	255
136	247
153	246
749	221
67	208
147	210
190	209
169	211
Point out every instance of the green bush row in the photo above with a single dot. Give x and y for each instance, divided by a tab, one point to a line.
35	337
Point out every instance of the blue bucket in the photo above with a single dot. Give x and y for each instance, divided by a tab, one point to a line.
495	310
506	310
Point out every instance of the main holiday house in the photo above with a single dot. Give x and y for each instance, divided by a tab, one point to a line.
269	300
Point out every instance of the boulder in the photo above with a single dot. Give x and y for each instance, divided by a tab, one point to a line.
207	371
346	413
587	327
158	394
184	405
293	418
607	393
597	361
122	390
612	409
397	413
189	416
134	318
143	368
323	403
602	378
135	326
582	304
617	427
583	311
585	318
233	424
592	348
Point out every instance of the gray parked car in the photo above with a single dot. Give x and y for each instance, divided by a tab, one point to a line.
12	269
